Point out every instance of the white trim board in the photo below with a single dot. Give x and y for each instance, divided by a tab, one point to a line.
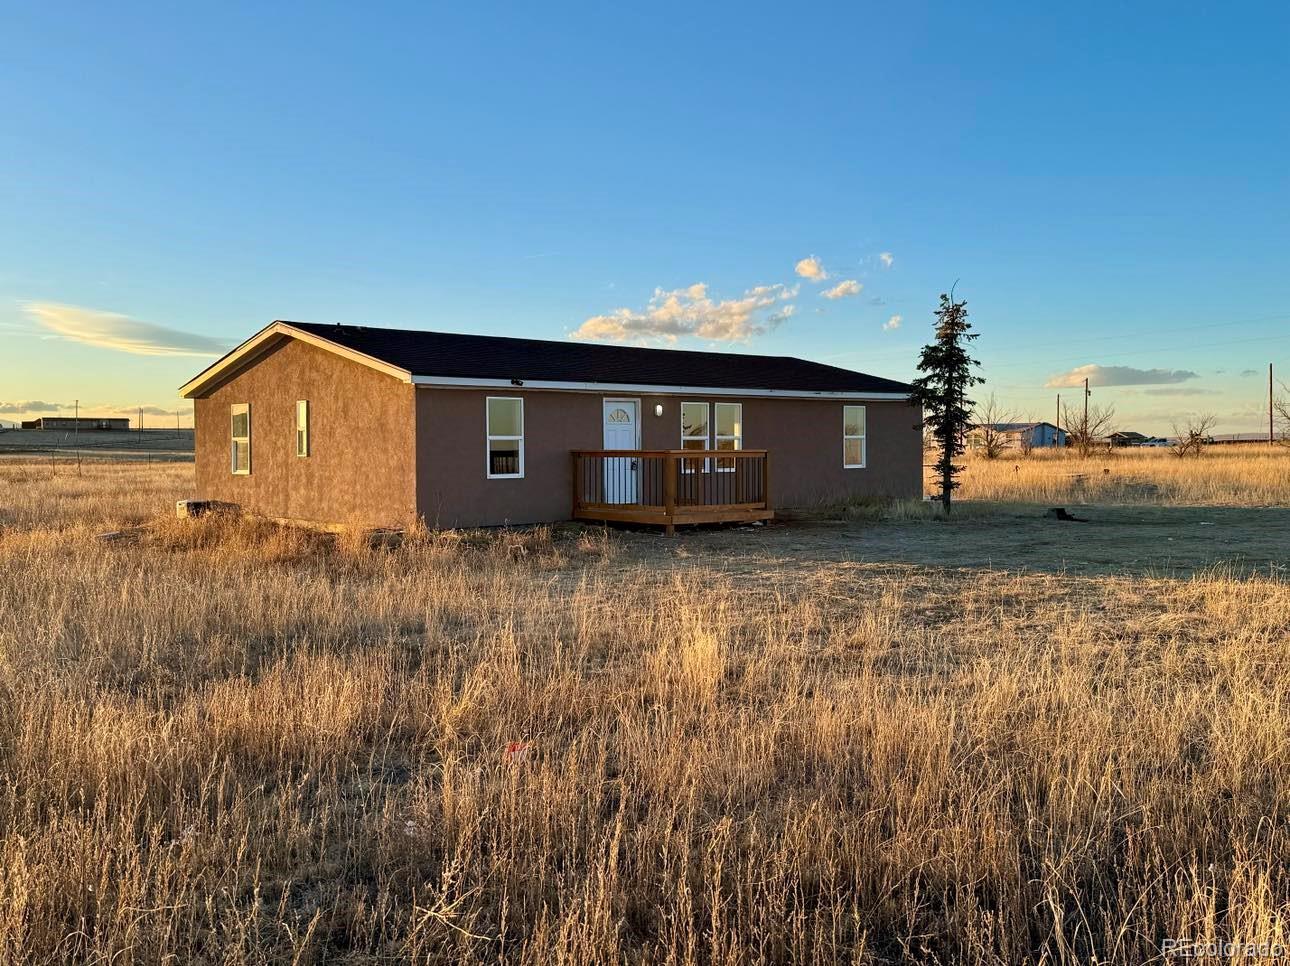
259	343
455	382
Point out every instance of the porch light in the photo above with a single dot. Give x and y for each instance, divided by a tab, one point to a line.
658	409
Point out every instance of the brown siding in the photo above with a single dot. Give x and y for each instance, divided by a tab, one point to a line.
804	438
361	465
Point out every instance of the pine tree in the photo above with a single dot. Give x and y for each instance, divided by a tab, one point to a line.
942	390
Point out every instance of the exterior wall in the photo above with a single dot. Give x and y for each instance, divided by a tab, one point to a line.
804	438
362	440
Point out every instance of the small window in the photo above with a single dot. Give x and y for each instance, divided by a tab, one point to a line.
694	434
240	433
729	432
853	438
505	437
302	427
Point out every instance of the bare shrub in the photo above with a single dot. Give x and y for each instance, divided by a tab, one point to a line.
1191	436
984	436
1087	428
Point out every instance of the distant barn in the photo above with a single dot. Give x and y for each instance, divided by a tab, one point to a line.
1019	435
73	422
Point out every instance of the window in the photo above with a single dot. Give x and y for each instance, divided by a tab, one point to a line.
302	427
729	432
694	434
240	434
853	441
505	437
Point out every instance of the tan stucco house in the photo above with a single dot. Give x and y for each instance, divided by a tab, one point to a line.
348	424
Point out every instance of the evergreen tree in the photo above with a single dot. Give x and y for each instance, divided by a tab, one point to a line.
942	389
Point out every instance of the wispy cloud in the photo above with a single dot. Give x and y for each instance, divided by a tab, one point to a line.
1118	376
1249	372
23	406
843	289
811	268
1182	391
887	259
110	330
892	323
690	311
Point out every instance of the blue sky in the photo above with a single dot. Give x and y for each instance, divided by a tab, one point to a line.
1108	184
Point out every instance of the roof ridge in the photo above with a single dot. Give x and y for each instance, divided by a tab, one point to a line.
553	342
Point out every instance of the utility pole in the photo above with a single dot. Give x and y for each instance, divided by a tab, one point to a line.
1057	426
1084	428
1271	436
76	435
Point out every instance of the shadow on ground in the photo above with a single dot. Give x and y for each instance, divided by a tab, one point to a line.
1130	540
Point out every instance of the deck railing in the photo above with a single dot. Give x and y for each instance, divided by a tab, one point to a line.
671	486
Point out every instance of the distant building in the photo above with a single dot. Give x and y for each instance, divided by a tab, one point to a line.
1128	438
72	422
1019	435
1229	438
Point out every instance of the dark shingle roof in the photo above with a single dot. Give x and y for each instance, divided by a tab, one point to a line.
447	354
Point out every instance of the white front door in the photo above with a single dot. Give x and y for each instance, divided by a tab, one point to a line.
622	431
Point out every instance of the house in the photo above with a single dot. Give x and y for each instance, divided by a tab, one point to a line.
356	425
70	423
1018	435
1128	438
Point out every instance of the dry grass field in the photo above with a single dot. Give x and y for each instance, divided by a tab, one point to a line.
848	740
1244	475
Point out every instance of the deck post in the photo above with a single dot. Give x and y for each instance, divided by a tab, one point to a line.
577	491
669	493
765	480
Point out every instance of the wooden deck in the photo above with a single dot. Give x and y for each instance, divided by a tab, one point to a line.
671	488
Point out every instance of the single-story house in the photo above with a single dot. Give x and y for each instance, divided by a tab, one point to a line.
1128	438
1019	435
69	423
356	425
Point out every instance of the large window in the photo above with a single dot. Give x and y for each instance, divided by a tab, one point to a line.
694	433
302	427
729	426
505	437
853	438
240	438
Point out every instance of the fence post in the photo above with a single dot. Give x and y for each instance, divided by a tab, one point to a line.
669	493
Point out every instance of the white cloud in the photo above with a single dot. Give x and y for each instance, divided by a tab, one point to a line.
887	259
1118	376
689	311
109	330
892	323
24	406
840	291
812	268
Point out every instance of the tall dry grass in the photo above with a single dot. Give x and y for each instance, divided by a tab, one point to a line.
1244	475
228	742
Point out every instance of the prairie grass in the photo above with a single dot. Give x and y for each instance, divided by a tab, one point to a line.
225	741
1243	475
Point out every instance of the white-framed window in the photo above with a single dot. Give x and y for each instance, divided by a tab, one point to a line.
302	427
240	438
853	438
694	434
505	430
728	432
